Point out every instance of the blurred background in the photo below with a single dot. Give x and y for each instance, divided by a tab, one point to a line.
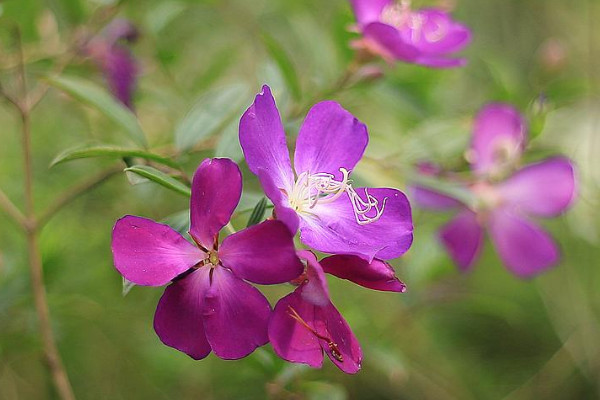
483	335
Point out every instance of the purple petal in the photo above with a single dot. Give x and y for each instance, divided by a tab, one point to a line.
216	191
347	354
431	200
282	210
367	11
120	70
387	41
263	140
151	254
463	239
291	340
330	138
262	253
236	316
377	274
178	320
437	33
499	136
524	247
332	227
315	290
440	61
546	188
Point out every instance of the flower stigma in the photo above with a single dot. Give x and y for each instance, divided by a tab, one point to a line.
322	188
213	258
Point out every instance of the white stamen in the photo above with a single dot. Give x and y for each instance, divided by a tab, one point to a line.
312	189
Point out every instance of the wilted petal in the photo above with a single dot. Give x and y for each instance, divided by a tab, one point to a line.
498	137
387	41
263	140
524	247
216	191
262	253
333	228
291	340
330	138
178	320
367	11
236	316
377	274
430	199
151	254
546	188
463	239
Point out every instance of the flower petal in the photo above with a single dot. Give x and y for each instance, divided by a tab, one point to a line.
151	254
216	191
367	11
347	354
236	316
524	247
546	188
315	289
377	274
435	61
332	227
291	340
429	199
436	33
178	320
330	138
387	41
463	239
120	70
282	210
262	253
499	135
263	140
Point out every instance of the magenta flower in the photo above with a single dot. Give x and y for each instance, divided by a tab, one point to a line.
320	201
504	200
115	60
395	32
305	323
209	306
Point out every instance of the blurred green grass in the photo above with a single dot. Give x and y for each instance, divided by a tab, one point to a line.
484	335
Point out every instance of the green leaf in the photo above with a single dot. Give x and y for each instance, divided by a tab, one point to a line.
258	213
93	95
111	152
285	65
161	178
211	112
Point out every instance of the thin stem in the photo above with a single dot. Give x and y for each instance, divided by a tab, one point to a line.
9	207
75	192
55	364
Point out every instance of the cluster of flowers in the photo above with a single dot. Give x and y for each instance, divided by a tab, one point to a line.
209	303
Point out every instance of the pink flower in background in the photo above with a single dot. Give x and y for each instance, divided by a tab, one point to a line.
110	51
319	199
393	31
505	199
209	305
305	323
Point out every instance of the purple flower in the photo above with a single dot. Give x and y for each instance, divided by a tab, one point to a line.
504	200
319	200
392	30
209	306
305	323
115	60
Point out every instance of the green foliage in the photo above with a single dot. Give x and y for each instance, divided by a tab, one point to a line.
157	176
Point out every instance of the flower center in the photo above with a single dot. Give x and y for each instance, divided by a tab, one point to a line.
322	188
400	16
213	258
487	196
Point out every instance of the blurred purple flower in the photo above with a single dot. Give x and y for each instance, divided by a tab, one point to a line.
332	215
305	323
110	52
395	32
209	305
504	200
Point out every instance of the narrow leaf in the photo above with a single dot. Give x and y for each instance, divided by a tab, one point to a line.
111	152
211	112
285	65
161	178
258	213
93	95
